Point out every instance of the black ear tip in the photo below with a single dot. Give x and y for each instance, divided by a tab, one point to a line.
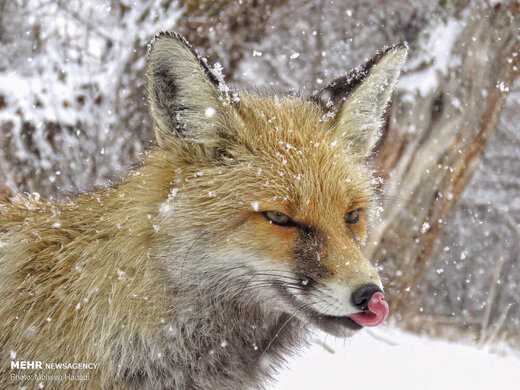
169	35
399	51
399	47
165	34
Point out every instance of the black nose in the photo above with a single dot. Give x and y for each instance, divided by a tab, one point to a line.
362	295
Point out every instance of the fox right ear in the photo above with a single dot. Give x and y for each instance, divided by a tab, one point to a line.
187	99
358	100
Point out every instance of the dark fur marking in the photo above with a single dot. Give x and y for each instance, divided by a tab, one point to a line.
165	90
339	89
310	254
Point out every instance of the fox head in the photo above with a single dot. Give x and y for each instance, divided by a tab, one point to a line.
270	198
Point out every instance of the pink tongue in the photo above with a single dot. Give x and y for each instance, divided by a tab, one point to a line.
378	311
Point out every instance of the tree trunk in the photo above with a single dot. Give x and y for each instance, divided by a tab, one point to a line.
432	148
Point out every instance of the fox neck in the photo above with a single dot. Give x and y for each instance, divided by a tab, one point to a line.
241	345
207	328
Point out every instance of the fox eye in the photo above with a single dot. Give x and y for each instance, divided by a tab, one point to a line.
352	217
278	218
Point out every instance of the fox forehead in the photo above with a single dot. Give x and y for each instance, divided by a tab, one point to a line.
304	166
275	124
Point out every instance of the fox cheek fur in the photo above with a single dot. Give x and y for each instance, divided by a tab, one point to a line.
205	266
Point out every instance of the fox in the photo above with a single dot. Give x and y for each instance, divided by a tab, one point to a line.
241	231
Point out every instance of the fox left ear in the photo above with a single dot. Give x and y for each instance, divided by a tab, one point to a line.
188	100
358	100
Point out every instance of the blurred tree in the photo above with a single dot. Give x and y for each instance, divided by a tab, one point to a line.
426	171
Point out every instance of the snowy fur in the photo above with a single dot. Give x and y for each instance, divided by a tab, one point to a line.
171	279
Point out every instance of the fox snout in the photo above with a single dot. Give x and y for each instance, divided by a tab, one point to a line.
336	311
350	289
341	291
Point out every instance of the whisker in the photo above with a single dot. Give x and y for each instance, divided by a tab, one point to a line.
281	328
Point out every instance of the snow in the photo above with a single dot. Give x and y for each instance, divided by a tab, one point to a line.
436	51
71	71
386	358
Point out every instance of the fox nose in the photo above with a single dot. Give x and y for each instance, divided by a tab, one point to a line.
362	295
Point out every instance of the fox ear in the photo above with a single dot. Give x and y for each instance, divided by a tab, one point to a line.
187	99
358	100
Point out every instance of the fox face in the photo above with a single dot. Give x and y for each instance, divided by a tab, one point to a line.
270	199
